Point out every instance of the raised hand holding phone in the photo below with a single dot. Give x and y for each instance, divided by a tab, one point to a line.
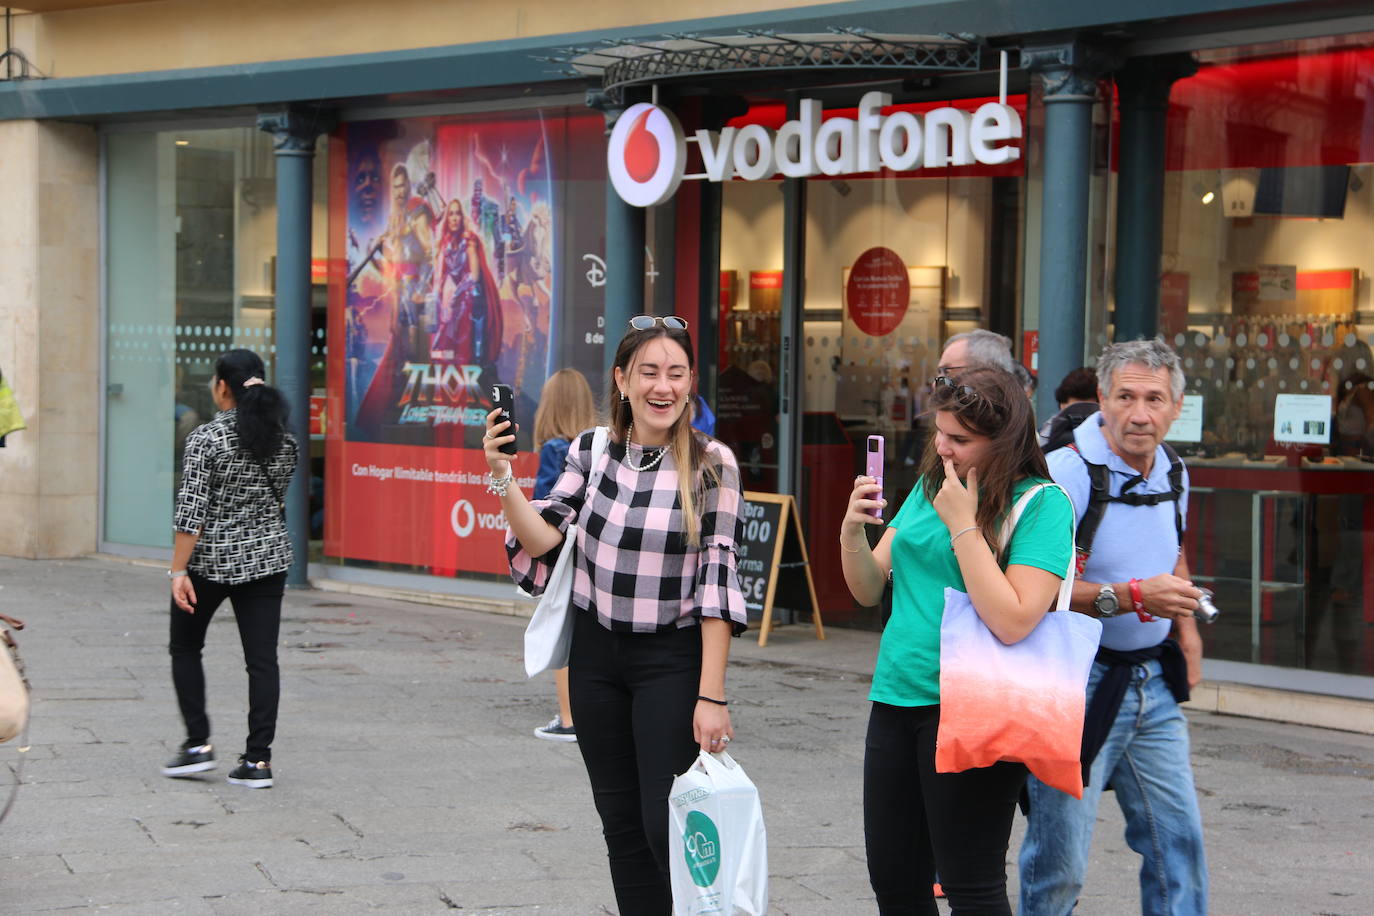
503	399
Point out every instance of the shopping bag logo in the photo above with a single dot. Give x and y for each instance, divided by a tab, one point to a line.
701	848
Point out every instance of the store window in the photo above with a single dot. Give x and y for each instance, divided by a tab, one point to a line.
190	252
894	264
1265	293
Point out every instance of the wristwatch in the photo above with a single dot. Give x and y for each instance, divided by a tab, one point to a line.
1105	603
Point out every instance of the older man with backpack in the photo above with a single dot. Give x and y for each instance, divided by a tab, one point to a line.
1130	491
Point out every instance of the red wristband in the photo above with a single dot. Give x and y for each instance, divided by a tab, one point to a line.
1138	601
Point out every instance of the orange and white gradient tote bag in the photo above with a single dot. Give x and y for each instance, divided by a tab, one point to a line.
1024	702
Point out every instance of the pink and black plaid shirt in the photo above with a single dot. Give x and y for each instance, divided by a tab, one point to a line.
633	565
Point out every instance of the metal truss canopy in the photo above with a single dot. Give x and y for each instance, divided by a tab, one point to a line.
624	62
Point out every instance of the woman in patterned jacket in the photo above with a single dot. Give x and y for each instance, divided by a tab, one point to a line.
655	594
231	542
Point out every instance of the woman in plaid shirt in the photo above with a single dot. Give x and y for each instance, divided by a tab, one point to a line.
655	594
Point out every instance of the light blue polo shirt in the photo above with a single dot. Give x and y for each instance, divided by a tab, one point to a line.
1133	542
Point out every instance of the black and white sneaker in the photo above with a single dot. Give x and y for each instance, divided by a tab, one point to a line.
556	731
190	760
253	775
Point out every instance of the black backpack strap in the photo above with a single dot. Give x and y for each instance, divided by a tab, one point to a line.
1176	487
1100	495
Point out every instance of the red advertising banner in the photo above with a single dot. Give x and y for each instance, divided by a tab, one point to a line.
431	499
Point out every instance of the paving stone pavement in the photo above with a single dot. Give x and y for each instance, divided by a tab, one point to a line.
408	780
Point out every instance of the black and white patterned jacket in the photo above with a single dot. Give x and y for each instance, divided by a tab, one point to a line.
226	498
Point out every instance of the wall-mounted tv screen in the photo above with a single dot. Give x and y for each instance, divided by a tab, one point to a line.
1306	190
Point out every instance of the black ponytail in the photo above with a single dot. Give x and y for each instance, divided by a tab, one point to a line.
262	410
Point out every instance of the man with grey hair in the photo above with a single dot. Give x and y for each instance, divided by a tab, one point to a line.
976	348
1130	494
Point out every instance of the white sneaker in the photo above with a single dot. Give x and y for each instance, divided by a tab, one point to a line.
556	731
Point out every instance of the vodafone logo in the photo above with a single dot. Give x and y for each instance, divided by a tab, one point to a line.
646	155
464	519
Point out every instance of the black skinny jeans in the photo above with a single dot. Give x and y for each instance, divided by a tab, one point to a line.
257	609
633	697
917	821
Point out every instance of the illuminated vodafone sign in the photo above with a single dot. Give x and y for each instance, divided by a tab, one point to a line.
647	154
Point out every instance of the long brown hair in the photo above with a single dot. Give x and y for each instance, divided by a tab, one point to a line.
565	407
685	443
988	402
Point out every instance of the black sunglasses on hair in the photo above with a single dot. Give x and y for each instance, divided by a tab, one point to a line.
649	322
944	381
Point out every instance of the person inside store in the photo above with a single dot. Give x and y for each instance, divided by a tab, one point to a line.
980	459
1077	400
655	594
566	408
231	542
976	348
1133	575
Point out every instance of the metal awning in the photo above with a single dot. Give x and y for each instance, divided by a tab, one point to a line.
854	53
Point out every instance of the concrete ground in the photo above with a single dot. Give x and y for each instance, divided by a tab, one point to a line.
408	780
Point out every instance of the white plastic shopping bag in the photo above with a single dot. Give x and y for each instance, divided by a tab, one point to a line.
717	845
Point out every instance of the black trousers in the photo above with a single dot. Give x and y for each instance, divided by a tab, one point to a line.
633	696
257	609
917	821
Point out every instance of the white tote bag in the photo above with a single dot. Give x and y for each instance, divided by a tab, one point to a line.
717	845
549	634
1024	702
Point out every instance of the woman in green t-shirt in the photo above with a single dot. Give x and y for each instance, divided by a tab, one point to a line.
982	455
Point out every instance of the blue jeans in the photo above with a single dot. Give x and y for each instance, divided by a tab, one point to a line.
1146	760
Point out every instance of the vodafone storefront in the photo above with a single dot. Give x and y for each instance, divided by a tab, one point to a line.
850	231
845	231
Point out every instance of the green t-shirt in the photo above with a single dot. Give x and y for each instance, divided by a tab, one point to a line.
923	566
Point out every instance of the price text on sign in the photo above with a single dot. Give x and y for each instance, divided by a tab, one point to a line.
758	536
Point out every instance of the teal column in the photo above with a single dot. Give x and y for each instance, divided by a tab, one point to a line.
1069	78
293	134
1143	91
624	247
790	369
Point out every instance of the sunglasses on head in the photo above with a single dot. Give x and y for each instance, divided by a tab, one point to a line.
649	322
964	393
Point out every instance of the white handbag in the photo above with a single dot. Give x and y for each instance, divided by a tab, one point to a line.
548	637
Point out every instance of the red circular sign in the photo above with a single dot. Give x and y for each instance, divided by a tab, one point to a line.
878	291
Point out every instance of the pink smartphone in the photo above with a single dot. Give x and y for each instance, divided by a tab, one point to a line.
874	466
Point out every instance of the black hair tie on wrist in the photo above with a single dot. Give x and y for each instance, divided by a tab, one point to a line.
710	700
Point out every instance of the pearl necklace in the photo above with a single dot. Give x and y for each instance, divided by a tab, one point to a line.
647	466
